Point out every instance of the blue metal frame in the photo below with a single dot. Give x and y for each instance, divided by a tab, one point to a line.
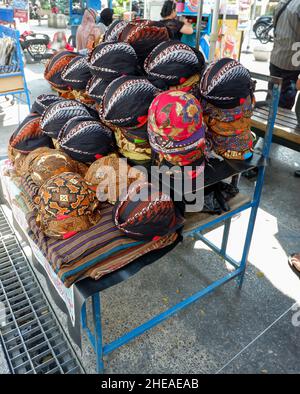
9	32
240	267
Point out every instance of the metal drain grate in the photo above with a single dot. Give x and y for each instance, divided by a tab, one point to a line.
32	339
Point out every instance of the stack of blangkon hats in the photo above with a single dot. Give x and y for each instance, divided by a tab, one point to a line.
227	98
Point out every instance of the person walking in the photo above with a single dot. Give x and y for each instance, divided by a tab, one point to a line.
283	62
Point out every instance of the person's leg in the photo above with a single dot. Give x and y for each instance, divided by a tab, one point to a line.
288	88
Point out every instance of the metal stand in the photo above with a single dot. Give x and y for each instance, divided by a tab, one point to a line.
240	266
15	75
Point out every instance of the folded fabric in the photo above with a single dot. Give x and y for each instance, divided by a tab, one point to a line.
144	36
30	188
77	73
225	82
175	127
93	253
85	139
111	60
55	66
172	62
29	136
58	114
43	101
122	104
244	110
114	30
66	205
146	213
111	176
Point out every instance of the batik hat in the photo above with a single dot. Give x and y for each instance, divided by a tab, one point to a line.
114	30
172	62
134	152
175	127
96	88
77	73
43	101
144	36
114	174
237	146
58	114
55	66
66	205
149	216
30	158
48	164
85	139
111	60
225	82
244	110
122	103
29	136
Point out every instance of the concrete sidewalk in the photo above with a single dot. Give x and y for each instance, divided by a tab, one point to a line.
256	330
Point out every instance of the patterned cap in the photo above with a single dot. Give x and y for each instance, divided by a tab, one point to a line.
144	36
146	213
111	60
55	66
114	30
48	164
57	114
244	110
29	136
122	104
173	62
77	73
30	158
232	140
43	101
96	88
85	139
225	82
114	174
67	205
175	127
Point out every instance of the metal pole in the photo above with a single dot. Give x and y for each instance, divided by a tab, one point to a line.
130	7
199	23
250	28
214	31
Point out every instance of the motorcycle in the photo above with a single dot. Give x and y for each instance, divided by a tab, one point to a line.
267	34
35	46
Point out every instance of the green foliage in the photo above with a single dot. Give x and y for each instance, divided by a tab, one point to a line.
119	11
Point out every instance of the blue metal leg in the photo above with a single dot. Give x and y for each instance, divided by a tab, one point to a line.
96	306
83	316
251	223
226	230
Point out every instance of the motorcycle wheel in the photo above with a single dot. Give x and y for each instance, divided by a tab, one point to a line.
260	29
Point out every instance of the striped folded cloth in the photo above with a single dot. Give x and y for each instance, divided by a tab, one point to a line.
29	187
95	252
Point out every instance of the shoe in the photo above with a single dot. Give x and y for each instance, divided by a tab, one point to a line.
294	262
297	174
